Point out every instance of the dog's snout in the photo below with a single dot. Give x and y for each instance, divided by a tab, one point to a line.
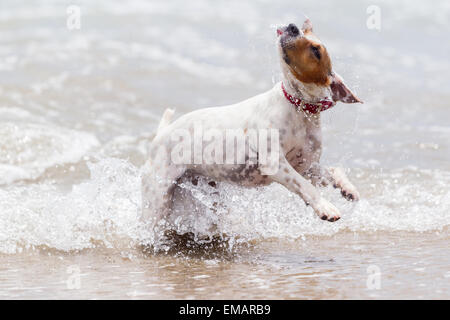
292	30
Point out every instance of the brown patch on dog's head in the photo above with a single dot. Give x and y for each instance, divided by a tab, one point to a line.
305	55
309	62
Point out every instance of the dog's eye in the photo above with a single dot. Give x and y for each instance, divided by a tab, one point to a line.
316	52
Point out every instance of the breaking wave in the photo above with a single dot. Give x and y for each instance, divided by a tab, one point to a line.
104	210
28	150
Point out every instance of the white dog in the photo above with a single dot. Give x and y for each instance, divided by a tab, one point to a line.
292	107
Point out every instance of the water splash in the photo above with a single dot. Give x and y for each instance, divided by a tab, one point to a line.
104	211
101	211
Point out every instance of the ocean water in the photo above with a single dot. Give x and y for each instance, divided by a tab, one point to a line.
78	107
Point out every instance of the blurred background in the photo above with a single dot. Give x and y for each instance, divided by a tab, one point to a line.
128	61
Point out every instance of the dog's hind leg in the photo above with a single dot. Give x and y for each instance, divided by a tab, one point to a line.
158	183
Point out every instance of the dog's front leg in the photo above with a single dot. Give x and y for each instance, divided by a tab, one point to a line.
292	180
337	177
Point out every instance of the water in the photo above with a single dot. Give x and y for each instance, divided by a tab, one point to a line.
77	108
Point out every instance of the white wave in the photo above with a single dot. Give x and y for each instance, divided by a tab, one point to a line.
27	150
104	211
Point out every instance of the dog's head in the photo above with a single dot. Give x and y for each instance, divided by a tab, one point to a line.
307	60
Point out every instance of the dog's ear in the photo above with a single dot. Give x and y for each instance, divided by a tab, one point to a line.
307	26
340	91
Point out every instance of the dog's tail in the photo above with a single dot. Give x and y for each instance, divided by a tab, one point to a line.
166	118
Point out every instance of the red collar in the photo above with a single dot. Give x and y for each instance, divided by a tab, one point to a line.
313	108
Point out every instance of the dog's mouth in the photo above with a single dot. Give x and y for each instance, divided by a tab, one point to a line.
287	36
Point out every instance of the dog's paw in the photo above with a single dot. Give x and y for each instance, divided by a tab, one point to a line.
326	211
350	193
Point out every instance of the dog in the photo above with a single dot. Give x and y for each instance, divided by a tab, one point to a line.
309	86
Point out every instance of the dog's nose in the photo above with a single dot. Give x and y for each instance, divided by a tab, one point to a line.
292	30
